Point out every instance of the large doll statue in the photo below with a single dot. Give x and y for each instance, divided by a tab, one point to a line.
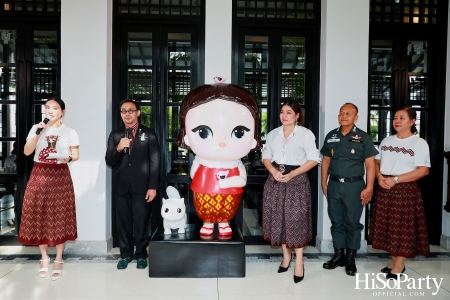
219	124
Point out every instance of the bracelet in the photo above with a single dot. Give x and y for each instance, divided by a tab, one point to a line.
70	159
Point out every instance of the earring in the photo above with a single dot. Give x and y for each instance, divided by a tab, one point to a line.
60	120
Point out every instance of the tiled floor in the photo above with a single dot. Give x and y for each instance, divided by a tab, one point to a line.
99	279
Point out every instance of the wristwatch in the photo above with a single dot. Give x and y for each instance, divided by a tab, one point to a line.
396	179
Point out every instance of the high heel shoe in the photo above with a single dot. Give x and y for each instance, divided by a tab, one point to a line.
44	269
59	272
283	269
395	276
386	270
297	279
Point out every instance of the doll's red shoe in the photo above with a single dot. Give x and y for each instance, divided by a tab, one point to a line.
207	229
225	229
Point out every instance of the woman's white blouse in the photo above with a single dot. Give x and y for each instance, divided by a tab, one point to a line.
297	149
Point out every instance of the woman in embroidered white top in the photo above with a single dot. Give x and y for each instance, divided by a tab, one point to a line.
48	212
289	153
398	223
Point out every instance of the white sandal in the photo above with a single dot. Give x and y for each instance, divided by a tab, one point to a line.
59	272
44	269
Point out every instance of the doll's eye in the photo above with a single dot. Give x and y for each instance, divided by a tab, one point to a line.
166	210
179	210
239	132
204	132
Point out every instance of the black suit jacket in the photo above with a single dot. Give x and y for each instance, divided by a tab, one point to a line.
138	170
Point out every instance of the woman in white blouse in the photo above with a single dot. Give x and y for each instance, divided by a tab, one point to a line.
289	153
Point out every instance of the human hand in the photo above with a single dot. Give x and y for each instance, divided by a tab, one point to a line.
287	177
124	143
325	189
64	160
277	175
151	194
366	195
382	181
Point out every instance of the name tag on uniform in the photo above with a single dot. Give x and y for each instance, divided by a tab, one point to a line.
333	140
354	141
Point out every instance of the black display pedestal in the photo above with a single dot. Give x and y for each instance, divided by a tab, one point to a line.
189	256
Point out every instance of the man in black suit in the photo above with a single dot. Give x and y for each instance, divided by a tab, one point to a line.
133	153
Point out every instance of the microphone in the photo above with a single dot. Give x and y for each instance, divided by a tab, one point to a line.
127	135
45	121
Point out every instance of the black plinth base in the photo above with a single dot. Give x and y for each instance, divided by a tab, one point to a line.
189	256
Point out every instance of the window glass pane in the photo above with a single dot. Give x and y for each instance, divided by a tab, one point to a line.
173	121
45	47
263	124
422	118
381	56
179	49
381	90
253	205
256	52
140	48
45	80
380	124
7	46
8	160
293	87
140	84
7	203
8	84
293	53
418	56
8	120
38	113
146	116
418	91
256	83
177	160
179	84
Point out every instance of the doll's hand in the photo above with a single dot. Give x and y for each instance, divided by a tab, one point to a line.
232	182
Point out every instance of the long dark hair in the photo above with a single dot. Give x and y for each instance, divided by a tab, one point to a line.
209	92
412	116
297	108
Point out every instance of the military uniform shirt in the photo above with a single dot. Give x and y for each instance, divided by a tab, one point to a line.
348	152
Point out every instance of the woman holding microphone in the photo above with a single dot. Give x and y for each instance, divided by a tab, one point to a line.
48	213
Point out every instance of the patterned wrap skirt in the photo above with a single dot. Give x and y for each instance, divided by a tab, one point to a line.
398	224
287	217
216	208
48	212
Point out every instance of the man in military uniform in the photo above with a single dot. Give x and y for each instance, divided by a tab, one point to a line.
345	152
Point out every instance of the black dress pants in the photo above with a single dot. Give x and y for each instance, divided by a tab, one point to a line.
132	211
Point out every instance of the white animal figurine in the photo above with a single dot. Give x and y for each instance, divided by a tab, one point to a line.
173	211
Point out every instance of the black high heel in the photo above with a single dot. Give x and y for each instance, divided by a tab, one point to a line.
395	276
283	269
386	270
297	279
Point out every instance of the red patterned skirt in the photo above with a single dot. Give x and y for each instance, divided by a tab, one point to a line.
48	212
287	217
216	208
398	224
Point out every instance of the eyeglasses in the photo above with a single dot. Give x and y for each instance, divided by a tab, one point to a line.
130	111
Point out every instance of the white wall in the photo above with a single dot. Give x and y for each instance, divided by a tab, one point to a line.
445	238
218	29
86	28
343	78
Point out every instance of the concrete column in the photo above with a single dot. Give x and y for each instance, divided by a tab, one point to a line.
86	35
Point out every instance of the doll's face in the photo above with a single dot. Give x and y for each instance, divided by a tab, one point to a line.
220	130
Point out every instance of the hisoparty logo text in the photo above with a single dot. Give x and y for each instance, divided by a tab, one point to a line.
372	281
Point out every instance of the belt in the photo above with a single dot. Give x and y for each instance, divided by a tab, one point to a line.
284	168
346	179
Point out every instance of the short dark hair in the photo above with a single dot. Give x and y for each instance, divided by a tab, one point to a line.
57	100
129	101
349	103
297	108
